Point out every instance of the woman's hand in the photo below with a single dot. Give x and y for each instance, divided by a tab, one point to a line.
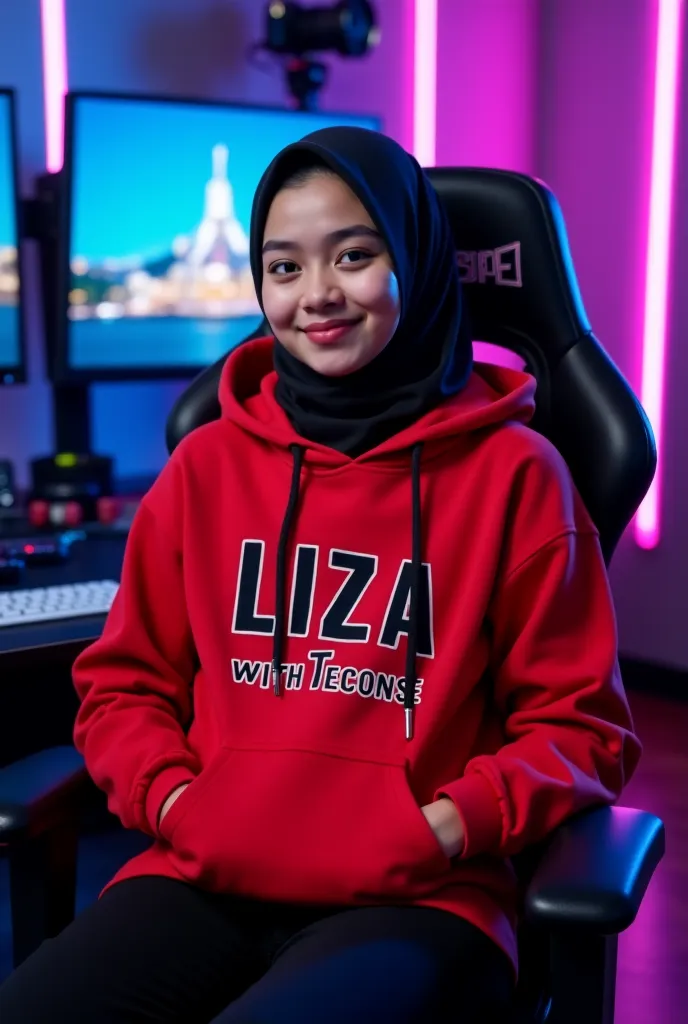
174	795
445	821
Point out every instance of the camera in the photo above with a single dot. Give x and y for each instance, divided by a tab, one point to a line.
294	31
347	27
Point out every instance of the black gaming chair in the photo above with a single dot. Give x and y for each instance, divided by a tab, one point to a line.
585	884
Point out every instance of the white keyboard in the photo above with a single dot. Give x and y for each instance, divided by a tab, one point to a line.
68	601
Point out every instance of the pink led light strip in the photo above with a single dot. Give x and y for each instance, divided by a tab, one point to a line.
658	268
54	79
424	81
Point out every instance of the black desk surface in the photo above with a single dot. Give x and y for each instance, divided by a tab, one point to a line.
97	558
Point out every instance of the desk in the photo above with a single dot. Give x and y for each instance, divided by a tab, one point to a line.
97	558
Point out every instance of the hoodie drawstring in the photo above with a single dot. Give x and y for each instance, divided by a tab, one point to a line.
282	549
411	678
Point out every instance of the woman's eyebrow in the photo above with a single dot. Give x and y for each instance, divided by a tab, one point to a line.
340	235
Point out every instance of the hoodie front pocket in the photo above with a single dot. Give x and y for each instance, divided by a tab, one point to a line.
300	826
191	795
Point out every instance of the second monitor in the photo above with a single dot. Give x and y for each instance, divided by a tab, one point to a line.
155	275
12	370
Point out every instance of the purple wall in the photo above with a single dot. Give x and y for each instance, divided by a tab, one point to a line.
487	83
563	90
596	64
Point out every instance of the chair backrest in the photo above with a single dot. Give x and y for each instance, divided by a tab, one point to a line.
522	294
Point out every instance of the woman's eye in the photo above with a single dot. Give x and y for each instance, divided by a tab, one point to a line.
354	256
284	267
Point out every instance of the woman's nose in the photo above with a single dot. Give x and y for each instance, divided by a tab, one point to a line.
320	291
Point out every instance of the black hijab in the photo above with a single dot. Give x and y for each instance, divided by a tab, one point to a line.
430	354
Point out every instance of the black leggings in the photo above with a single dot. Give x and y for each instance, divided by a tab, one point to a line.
156	950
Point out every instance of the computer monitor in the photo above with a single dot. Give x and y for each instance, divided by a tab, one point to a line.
154	255
12	360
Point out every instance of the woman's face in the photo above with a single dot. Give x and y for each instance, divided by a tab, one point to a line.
329	291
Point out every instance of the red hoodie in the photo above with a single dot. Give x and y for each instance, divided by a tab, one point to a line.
314	796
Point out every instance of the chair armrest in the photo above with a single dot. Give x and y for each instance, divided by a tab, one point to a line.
594	873
40	792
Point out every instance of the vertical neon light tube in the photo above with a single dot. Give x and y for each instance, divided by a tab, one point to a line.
54	79
658	269
425	81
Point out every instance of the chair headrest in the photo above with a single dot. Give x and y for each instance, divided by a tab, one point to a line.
514	261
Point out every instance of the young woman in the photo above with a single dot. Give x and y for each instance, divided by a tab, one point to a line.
363	652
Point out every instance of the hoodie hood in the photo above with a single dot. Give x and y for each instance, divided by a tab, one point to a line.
492	395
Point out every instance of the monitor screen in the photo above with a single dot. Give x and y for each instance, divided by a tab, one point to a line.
11	337
158	207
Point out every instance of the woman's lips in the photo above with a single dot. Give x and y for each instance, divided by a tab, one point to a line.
329	331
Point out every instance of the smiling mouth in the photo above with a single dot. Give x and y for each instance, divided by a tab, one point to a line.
330	331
